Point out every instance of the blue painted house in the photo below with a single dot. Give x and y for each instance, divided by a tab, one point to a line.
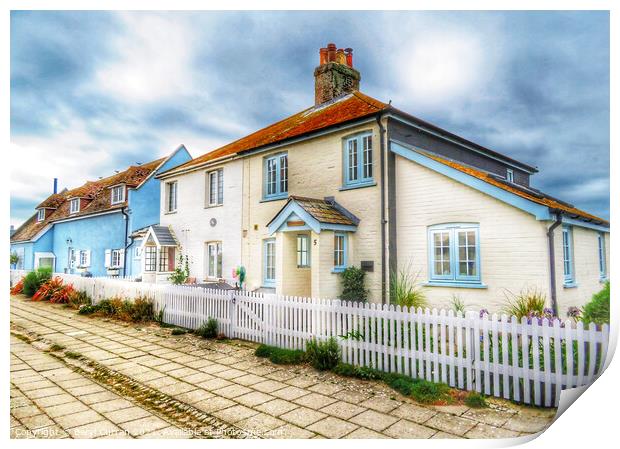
92	228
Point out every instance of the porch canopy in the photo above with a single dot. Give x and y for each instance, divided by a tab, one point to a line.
311	214
159	245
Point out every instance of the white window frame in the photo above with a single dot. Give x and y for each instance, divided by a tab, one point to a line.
115	254
83	259
510	175
74	205
40	214
115	197
150	258
214	260
172	200
215	197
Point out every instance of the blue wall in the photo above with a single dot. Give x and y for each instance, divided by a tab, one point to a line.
43	244
89	233
103	232
144	202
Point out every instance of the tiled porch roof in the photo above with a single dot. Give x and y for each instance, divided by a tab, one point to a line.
322	210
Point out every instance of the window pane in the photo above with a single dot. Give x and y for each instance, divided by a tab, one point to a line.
219	260
467	253
367	146
212	187
220	186
271	176
352	159
283	173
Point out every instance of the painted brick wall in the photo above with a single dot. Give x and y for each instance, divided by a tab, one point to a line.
513	244
315	170
586	266
191	221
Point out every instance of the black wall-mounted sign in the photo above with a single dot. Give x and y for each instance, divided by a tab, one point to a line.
368	265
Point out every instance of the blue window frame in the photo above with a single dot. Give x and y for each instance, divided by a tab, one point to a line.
357	160
567	255
602	265
454	253
275	175
340	251
269	262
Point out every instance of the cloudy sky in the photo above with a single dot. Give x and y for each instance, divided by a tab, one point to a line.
93	92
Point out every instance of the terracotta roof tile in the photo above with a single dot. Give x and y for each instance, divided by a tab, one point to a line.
349	107
97	194
540	199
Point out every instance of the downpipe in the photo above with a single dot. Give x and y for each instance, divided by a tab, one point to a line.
383	220
551	243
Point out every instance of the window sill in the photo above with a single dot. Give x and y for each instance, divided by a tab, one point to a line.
603	279
274	198
212	206
361	185
303	267
170	212
455	285
337	270
570	285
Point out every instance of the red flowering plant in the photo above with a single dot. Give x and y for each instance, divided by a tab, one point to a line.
54	291
18	288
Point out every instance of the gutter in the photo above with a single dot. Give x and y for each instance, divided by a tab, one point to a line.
123	211
550	239
383	220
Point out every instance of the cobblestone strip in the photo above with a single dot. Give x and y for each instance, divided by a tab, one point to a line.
198	423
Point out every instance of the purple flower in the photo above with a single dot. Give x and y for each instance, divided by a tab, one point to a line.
574	312
483	312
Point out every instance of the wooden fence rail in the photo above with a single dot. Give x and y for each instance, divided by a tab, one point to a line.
528	362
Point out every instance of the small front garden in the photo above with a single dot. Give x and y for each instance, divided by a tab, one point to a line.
326	356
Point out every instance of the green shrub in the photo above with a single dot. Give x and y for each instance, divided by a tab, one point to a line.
475	400
181	272
87	309
79	298
142	309
528	302
34	280
359	372
353	284
457	304
178	331
427	392
106	306
401	383
597	310
405	290
207	329
323	355
281	356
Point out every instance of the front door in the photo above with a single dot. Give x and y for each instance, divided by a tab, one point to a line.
269	263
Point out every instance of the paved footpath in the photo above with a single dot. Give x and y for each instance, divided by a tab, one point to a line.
218	387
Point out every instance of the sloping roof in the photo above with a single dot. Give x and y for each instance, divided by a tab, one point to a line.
164	235
341	110
322	210
536	197
97	194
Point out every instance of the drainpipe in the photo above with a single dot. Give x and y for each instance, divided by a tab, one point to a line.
550	238
124	212
383	220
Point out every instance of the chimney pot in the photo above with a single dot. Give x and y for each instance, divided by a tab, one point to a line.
340	57
55	185
331	52
349	54
323	56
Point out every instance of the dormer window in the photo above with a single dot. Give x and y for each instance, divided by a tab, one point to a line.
510	175
40	214
118	194
74	206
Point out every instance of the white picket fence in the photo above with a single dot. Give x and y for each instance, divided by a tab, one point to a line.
494	355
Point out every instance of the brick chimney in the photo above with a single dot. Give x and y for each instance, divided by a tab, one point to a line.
335	75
